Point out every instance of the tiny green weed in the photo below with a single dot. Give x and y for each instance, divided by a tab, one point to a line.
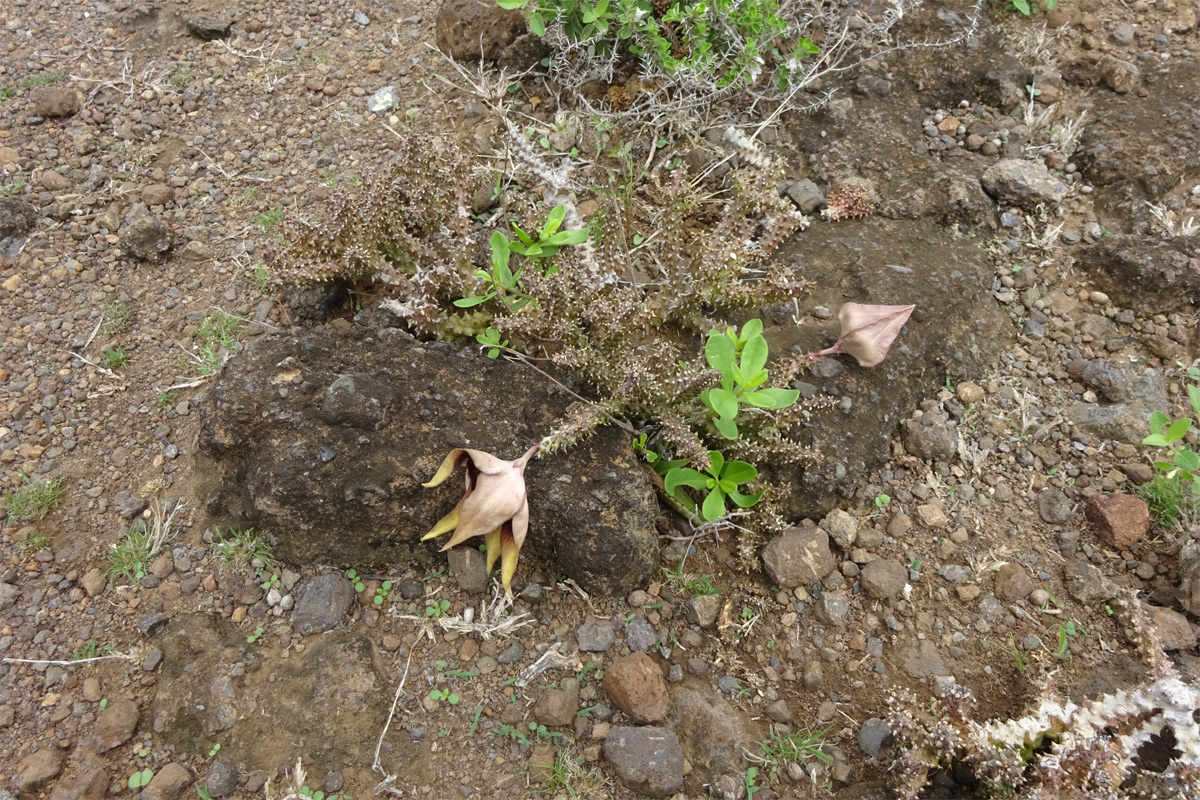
435	608
33	542
445	696
34	500
800	747
118	318
116	357
260	279
244	548
6	94
139	779
269	219
352	576
49	79
254	637
90	650
130	558
166	400
217	339
180	77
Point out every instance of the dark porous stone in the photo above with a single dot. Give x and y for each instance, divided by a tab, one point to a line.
405	406
799	557
209	26
147	238
932	435
647	760
713	733
222	779
470	29
321	603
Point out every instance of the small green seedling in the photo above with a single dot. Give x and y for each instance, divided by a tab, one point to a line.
381	593
741	359
445	695
721	482
254	637
352	575
33	500
882	500
751	786
435	608
141	778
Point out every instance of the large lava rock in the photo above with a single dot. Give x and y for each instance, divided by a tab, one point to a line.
1151	277
324	441
957	330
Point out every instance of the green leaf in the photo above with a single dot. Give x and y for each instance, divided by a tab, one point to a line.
727	427
714	505
1188	460
718	463
771	398
1194	396
745	500
721	353
754	355
568	237
537	24
1159	420
755	380
723	402
500	250
1179	429
683	476
751	329
512	4
522	235
739	472
468	302
1156	440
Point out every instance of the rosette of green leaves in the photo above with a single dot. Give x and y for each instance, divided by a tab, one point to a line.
1180	460
741	359
720	482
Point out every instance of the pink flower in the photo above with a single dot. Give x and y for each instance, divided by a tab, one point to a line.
868	331
494	506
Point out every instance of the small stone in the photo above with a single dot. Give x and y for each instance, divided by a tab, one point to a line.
91	690
832	608
955	573
648	760
383	100
1118	74
814	676
1012	583
874	736
56	101
334	782
1123	34
1053	506
932	436
640	635
807	196
114	727
1120	520
799	557
210	27
152	623
321	603
884	579
469	567
411	588
168	783
1026	184
1173	628
222	779
556	708
158	194
94	581
922	660
703	610
841	527
932	516
594	636
147	238
36	770
361	18
636	686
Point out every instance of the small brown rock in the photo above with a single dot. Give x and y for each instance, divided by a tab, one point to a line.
932	516
556	708
38	769
1119	520
1012	583
636	686
115	726
158	194
91	690
94	581
948	125
89	783
54	181
1173	628
56	101
168	784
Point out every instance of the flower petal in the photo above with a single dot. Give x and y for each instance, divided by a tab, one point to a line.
451	463
445	524
508	562
494	501
492	540
869	330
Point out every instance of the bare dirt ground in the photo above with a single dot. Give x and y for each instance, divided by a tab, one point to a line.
113	116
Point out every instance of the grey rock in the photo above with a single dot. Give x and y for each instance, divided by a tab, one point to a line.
1012	584
648	760
17	217
807	196
1111	379
956	574
932	436
923	660
8	595
361	18
334	782
703	609
874	736
1189	577
152	623
468	566
1145	275
152	660
799	557
1123	34
168	783
814	677
209	26
778	711
594	635
1087	584
712	732
321	603
1054	506
222	779
842	528
640	635
147	238
511	654
600	531
383	100
1023	183
728	684
36	770
833	608
411	588
531	593
883	578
